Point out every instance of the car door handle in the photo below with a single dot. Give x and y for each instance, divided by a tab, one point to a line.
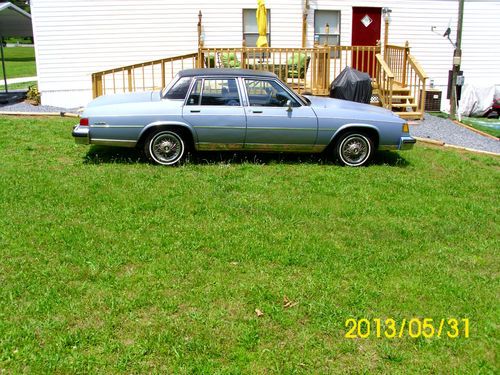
256	111
195	110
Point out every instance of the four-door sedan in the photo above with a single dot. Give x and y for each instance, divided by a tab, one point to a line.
233	109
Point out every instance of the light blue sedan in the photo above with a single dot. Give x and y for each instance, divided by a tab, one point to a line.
245	110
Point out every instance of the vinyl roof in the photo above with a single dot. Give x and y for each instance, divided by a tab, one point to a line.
14	21
226	72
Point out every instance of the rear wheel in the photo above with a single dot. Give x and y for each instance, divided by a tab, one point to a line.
165	147
354	149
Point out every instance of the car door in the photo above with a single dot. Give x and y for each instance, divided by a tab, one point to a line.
272	124
214	109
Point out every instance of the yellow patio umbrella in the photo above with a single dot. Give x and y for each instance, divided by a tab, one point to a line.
262	24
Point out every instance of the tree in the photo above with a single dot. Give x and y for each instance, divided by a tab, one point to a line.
23	4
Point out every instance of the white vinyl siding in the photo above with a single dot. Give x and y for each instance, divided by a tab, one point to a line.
76	38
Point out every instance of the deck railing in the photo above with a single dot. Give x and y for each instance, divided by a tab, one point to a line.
396	58
305	70
150	75
384	82
415	79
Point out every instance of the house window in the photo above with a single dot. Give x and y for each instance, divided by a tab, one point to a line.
327	27
250	30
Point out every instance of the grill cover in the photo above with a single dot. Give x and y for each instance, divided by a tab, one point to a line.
353	85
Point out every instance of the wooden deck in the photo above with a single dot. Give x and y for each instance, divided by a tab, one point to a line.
398	80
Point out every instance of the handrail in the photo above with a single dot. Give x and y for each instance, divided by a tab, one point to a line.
384	66
385	82
416	82
148	75
152	62
418	68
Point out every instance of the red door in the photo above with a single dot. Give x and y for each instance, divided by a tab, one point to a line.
366	24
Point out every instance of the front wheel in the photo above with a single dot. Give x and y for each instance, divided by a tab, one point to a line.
165	147
354	149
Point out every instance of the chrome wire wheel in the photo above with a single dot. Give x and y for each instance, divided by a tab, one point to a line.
355	150
166	148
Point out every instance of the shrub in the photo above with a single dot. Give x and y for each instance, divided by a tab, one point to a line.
33	95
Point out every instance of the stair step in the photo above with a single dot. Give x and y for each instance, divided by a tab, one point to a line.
402	97
403	105
409	115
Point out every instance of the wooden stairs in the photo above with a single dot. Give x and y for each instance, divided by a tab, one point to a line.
404	103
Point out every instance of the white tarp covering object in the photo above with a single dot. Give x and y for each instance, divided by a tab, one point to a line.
475	101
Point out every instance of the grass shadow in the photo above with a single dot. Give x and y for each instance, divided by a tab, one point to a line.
120	155
113	155
390	158
20	59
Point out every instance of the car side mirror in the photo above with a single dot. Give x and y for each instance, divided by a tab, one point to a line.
289	105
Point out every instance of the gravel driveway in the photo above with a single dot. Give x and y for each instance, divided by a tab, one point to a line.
26	107
448	132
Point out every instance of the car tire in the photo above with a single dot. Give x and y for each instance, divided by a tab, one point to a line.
354	149
165	147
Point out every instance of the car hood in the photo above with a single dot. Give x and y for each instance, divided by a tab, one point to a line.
346	105
136	97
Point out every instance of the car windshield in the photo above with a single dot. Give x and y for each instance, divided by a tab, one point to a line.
305	100
179	89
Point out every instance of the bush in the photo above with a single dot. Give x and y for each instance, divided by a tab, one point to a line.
33	95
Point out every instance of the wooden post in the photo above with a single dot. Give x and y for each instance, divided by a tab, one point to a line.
322	70
244	54
422	99
405	62
457	60
96	85
200	58
129	74
304	23
386	36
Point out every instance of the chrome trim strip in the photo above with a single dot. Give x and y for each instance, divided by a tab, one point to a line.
201	113
206	146
283	147
116	126
218	127
113	142
272	128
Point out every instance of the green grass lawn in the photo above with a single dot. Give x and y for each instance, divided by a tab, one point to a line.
22	85
19	62
487	125
112	265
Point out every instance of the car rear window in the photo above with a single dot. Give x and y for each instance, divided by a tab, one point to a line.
179	89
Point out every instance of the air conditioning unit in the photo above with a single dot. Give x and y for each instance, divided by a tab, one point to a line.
433	100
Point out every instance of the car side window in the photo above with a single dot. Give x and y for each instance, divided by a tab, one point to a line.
220	92
179	89
268	93
195	96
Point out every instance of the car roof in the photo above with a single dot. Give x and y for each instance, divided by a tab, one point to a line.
226	72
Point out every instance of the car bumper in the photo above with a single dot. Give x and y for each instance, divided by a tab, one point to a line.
406	143
81	134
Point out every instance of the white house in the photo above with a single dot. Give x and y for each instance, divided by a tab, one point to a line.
75	38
